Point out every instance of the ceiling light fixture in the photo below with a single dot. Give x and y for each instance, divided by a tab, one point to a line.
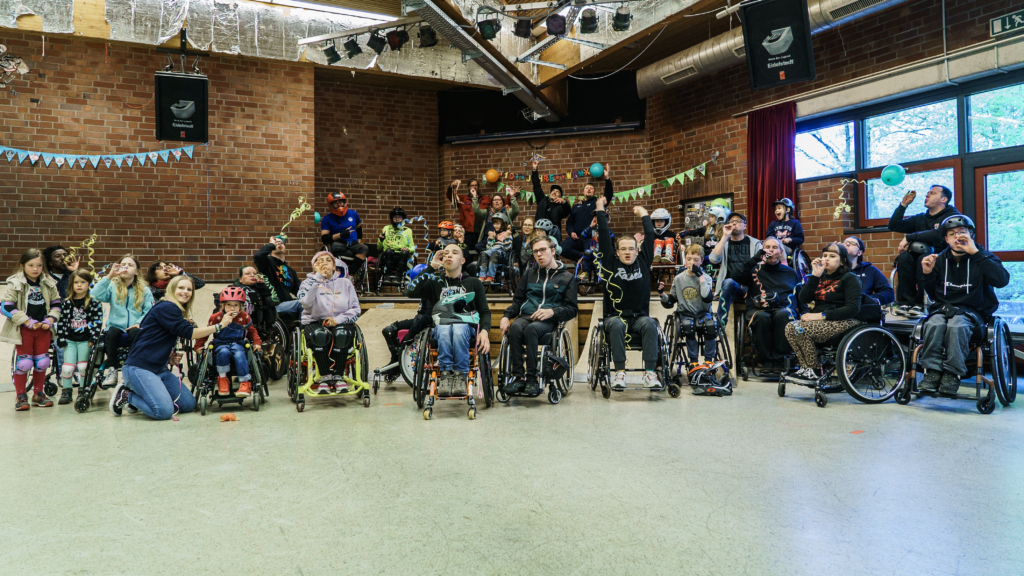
352	48
556	25
428	37
489	28
332	54
524	28
588	22
376	43
397	39
622	17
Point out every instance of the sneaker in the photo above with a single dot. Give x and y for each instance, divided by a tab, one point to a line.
340	386
950	383
131	409
806	376
324	387
515	385
532	386
930	382
619	381
489	279
456	384
901	310
111	378
21	404
915	312
118	399
244	389
65	396
223	385
42	400
651	379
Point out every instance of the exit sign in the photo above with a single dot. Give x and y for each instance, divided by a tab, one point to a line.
1007	24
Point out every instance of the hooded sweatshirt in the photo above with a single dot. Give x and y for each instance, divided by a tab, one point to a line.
783	229
967	283
583	212
627	290
282	277
435	287
324	298
921	227
396	239
835	295
691	292
551	289
874	283
556	212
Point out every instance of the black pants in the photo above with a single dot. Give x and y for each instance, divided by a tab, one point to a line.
910	285
392	261
413	325
526	333
351	250
330	347
573	249
768	333
111	342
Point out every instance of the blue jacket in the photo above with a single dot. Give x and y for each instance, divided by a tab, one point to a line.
874	283
122	314
583	212
157	336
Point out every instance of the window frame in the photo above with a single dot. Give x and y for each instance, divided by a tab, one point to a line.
856	140
980	202
925	166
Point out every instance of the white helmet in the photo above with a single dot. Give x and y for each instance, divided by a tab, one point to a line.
661	214
721	213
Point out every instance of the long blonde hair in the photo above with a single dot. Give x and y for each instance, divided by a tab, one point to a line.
717	230
172	286
139	286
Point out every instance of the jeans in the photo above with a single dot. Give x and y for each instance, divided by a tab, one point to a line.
77	356
289	311
730	290
454	343
489	260
157	394
945	343
526	333
222	356
616	328
909	275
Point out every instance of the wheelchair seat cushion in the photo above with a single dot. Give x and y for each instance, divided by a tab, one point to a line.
834	341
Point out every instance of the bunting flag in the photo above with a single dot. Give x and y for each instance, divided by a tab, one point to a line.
83	160
701	168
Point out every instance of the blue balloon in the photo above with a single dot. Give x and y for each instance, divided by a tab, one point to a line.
596	170
316	217
416	271
893	175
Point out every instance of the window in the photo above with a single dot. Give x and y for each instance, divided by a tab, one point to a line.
920	133
1011	296
828	150
880	201
1004	218
995	119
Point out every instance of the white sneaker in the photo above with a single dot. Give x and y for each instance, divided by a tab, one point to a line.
619	381
324	387
651	379
340	386
111	378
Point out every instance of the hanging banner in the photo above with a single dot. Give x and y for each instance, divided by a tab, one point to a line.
181	107
83	160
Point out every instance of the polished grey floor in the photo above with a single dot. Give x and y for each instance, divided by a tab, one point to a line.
638	484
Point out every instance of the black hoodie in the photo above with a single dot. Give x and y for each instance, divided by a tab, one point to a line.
968	283
627	290
835	295
922	227
281	276
556	212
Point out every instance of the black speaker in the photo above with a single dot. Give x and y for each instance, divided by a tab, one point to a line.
777	35
181	107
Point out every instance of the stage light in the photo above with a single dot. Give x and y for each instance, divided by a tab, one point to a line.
332	54
556	25
621	21
588	23
489	28
352	48
524	28
376	43
397	39
427	36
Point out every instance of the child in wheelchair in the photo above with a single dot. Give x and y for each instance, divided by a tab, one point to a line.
229	343
692	293
495	246
396	244
329	305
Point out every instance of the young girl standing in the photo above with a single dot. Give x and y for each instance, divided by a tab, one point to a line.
31	305
130	300
81	320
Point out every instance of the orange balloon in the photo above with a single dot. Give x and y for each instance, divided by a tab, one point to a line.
492	175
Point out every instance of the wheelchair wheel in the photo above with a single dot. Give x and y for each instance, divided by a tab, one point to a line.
504	371
1004	364
419	375
277	339
871	364
295	364
409	357
673	346
802	264
364	358
563	349
595	350
740	336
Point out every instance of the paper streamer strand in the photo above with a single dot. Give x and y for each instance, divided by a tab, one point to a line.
85	246
843	206
303	206
426	237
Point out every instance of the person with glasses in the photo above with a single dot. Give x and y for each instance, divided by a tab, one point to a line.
872	281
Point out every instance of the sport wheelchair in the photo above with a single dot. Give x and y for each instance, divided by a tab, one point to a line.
993	342
601	361
93	378
427	373
710	377
555	348
406	363
305	372
204	380
390	270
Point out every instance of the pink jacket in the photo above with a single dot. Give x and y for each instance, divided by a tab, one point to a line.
328	298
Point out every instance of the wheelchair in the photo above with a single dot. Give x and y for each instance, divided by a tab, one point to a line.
993	342
553	375
390	270
601	361
801	262
427	374
277	346
588	274
867	361
93	378
359	279
51	384
710	377
406	364
204	382
305	372
505	277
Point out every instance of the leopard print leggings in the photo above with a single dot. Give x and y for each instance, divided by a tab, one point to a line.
815	331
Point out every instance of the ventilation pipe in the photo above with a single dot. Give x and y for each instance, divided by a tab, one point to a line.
727	50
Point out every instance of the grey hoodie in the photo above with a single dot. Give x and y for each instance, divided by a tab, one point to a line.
723	260
324	298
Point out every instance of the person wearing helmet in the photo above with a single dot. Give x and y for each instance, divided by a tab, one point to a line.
961	282
341	231
446	236
710	229
395	243
581	218
329	305
786	227
551	206
494	246
923	228
664	239
229	342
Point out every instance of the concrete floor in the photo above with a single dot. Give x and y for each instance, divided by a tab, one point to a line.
638	484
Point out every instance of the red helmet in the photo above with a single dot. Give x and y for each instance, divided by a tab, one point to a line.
447	225
232	294
334	197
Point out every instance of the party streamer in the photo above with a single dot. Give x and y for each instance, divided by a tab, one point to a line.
843	206
303	206
85	246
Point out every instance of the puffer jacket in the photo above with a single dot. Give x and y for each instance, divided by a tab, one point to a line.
324	298
546	289
122	314
16	292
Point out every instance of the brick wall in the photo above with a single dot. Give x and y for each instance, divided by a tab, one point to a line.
379	147
97	99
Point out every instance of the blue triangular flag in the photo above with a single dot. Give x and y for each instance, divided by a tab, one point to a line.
118	160
141	158
83	160
21	156
95	161
10	152
188	150
164	154
47	158
59	159
177	153
129	159
108	160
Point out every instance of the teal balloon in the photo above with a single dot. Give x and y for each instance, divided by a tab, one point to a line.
316	217
596	170
893	175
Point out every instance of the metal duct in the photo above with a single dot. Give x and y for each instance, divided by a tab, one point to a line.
727	50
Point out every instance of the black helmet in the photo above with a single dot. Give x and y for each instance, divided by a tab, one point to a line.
958	221
785	202
397	212
923	248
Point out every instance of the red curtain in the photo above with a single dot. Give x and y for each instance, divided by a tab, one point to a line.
771	164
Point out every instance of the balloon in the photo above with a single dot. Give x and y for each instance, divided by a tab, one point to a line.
316	218
492	175
893	175
416	271
596	170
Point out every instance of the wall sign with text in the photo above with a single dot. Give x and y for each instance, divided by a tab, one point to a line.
777	35
181	107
